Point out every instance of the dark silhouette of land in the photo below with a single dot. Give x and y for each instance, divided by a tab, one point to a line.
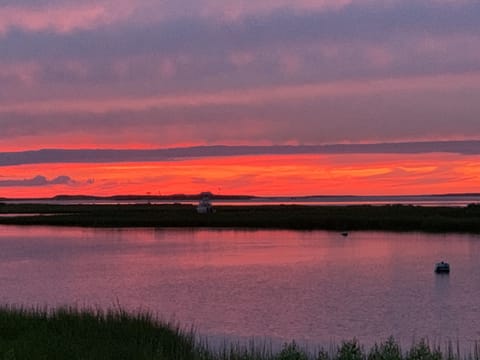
338	218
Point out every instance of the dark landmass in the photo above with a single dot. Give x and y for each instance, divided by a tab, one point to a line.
338	218
152	197
133	197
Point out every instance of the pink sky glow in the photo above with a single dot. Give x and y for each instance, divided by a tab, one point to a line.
166	74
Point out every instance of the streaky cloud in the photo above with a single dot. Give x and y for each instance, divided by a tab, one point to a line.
48	156
261	95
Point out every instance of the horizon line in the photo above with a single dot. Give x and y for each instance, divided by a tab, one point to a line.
195	196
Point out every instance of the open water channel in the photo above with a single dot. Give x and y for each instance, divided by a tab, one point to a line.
316	287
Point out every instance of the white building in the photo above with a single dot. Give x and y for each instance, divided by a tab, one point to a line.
205	205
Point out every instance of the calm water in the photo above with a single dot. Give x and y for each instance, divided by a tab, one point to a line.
317	287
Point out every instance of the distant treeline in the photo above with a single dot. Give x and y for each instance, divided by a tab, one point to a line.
151	197
339	218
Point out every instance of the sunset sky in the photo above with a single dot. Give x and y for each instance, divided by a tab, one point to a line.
274	79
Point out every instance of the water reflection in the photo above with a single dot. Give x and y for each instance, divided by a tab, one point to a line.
442	285
312	286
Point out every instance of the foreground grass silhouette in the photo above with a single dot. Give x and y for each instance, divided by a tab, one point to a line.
69	333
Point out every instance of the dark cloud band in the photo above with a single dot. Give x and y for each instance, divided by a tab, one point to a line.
122	155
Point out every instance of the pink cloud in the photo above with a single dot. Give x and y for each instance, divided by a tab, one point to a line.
61	19
378	56
91	14
439	83
151	66
290	63
237	9
77	68
241	58
167	68
25	73
447	46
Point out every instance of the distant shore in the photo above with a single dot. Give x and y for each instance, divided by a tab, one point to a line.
336	218
347	199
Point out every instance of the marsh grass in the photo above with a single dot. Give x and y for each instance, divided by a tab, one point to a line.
340	218
70	333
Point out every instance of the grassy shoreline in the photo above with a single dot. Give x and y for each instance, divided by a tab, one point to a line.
338	218
70	333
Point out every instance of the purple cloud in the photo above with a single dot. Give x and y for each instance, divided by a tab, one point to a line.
122	155
119	53
38	180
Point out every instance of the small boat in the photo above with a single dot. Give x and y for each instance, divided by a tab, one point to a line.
442	267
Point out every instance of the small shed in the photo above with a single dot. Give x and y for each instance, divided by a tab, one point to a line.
205	204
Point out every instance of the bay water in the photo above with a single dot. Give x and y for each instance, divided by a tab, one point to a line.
314	287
